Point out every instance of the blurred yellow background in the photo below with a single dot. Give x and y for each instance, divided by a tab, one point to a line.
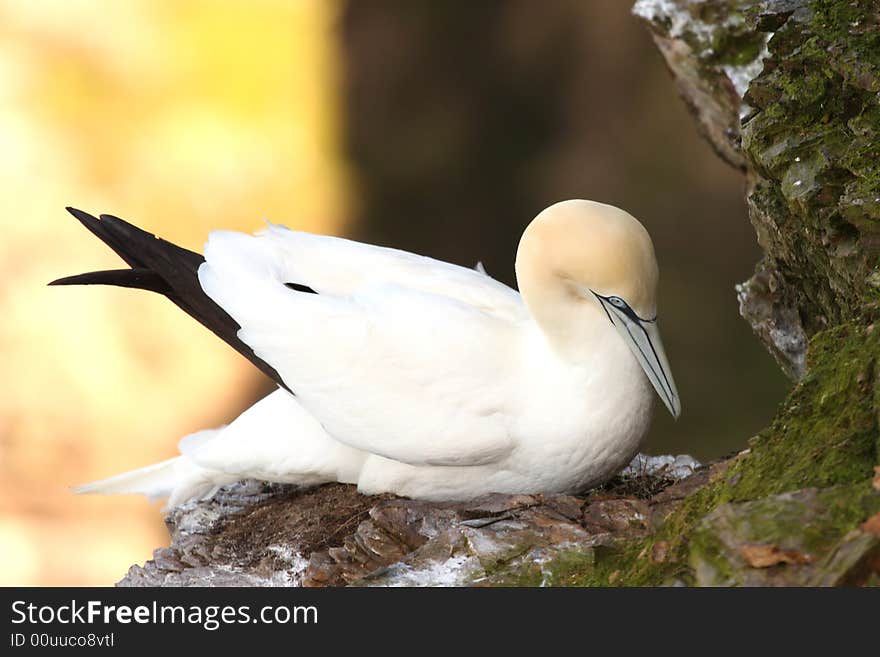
181	117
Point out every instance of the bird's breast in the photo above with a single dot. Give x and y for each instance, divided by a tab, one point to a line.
581	421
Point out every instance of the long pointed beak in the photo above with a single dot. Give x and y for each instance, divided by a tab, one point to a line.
643	338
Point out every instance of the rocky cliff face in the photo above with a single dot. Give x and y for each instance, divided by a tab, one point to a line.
253	534
788	91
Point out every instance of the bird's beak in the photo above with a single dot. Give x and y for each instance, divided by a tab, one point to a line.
643	338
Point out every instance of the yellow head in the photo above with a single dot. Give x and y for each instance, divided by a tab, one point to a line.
579	258
589	245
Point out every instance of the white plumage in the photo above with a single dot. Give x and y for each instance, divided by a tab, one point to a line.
426	379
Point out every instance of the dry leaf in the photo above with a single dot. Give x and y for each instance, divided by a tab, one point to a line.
872	524
658	552
613	577
766	555
876	482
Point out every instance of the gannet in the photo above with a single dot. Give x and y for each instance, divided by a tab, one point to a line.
404	374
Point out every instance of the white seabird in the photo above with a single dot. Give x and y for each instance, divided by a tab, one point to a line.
405	374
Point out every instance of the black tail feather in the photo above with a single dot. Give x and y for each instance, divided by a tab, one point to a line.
102	231
142	279
165	268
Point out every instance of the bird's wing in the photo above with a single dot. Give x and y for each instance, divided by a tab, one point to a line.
165	268
412	375
276	439
333	265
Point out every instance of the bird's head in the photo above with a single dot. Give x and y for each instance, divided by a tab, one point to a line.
578	254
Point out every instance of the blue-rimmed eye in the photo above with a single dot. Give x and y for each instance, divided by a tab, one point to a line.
617	302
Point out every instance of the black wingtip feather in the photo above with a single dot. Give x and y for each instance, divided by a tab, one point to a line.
79	214
67	280
115	239
84	218
163	267
124	229
140	279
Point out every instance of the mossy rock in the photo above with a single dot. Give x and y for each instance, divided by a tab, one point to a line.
791	539
813	148
804	487
810	146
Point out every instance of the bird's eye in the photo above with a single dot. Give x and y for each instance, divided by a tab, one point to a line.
617	301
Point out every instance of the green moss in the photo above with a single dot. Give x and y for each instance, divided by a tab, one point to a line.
814	523
719	32
817	524
826	431
814	136
825	436
566	568
628	563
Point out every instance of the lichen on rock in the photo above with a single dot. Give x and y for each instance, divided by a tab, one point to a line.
809	74
713	54
812	143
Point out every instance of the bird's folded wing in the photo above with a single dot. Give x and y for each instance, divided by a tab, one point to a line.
332	265
277	440
410	375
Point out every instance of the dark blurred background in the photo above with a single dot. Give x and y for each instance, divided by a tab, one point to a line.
464	120
437	127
